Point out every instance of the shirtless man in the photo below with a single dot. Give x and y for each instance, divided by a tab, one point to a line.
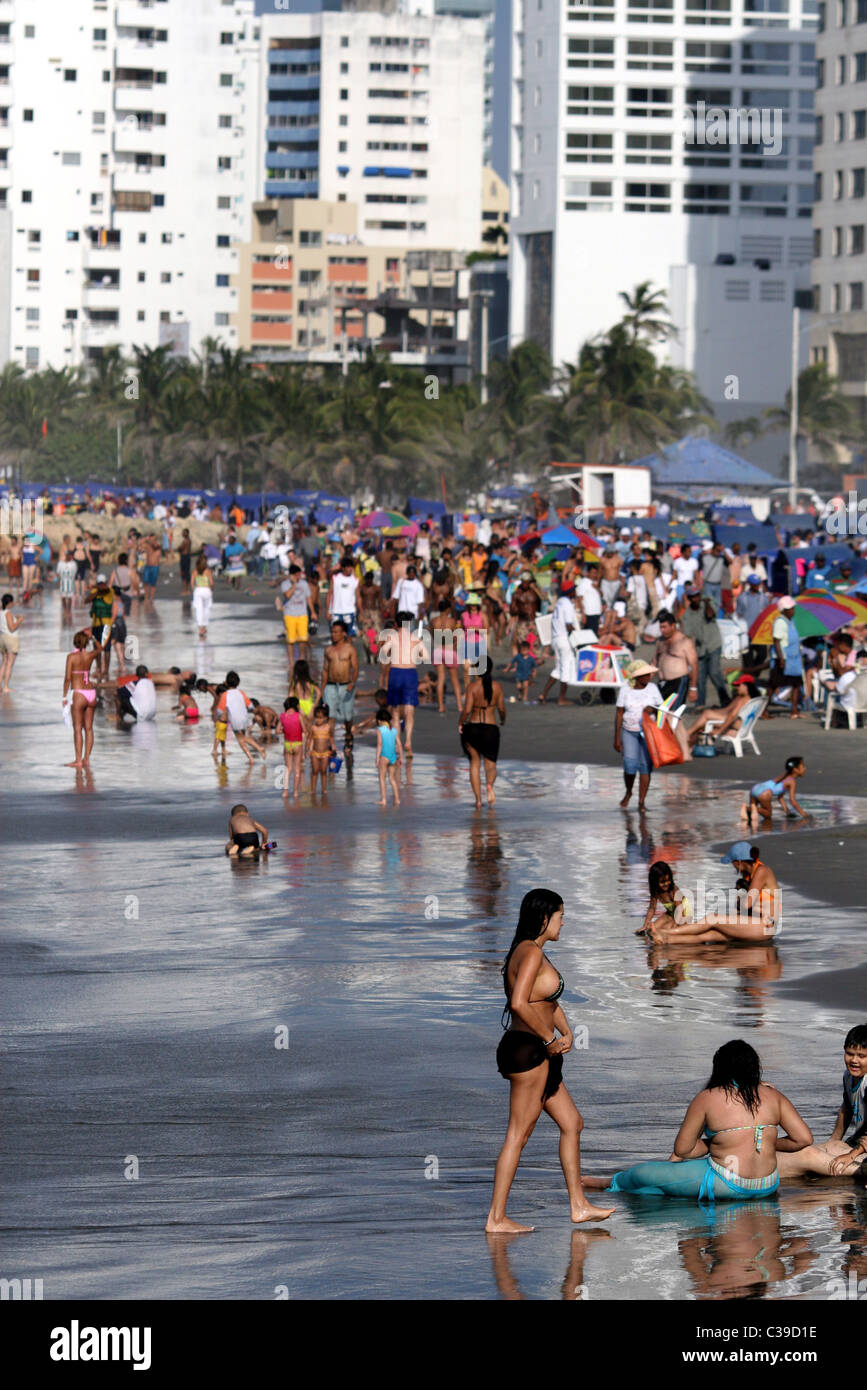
151	573
526	603
403	653
609	567
339	679
677	660
443	583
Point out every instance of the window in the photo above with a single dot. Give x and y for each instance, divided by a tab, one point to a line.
224	204
165	316
224	123
839	127
28	113
34	238
593	148
223	241
27	195
33	277
70	74
141	316
344	94
70	157
594	196
32	357
836	299
72	236
32	315
159	200
344	41
165	277
590	101
224	163
166	238
308	238
647	197
591	53
856	240
837	241
222	282
856	296
817	188
859	67
100	35
838	185
227	39
858	182
344	120
643	53
341	146
344	68
71	314
142	238
98	120
30	31
141	277
648	149
817	243
221	320
225	79
859	125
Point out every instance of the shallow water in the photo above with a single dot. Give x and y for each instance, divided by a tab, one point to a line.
145	980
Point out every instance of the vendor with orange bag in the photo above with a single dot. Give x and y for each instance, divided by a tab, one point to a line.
637	694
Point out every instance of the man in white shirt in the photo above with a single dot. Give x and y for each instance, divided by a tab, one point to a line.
588	596
409	593
138	698
564	621
684	567
343	597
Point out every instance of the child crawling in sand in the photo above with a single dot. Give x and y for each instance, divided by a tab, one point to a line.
244	832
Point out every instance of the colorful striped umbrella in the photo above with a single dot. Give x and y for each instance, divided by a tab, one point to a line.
375	521
813	617
856	603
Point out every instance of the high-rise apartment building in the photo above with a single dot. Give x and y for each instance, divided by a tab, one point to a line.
483	10
839	330
378	106
650	135
128	162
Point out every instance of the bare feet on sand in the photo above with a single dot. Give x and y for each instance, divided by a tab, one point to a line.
586	1212
507	1227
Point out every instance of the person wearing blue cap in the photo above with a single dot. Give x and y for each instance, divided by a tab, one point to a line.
756	916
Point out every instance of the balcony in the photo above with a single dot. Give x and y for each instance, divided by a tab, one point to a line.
291	188
271	332
133	201
266	270
347	274
271	301
140	79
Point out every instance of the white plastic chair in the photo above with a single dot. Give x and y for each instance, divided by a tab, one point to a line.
752	711
859	686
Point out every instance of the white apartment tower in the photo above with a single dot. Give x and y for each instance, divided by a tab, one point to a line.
615	182
128	151
839	334
379	104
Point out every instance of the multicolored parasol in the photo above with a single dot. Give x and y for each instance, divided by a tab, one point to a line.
812	616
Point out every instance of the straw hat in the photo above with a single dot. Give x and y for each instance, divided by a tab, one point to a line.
633	669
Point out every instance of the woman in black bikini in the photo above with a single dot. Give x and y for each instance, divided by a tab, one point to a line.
480	736
530	1056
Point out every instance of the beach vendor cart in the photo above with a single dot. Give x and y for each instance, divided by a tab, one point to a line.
599	664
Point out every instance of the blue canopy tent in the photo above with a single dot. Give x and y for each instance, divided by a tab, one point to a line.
763	537
789	522
784	574
740	516
420	507
694	461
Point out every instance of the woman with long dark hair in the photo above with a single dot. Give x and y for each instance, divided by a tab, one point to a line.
530	1057
726	1148
480	736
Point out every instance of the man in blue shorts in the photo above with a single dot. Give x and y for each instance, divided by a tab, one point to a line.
404	655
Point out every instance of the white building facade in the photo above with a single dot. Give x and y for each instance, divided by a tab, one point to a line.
630	166
131	134
381	108
839	336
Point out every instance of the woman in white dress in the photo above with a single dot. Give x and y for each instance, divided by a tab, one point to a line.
203	594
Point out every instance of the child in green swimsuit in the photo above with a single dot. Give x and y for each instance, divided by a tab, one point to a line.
667	902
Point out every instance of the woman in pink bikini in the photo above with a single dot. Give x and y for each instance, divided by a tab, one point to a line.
77	677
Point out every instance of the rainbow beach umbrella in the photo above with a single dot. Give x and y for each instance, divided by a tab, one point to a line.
812	616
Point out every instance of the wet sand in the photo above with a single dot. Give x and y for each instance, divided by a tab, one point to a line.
221	1080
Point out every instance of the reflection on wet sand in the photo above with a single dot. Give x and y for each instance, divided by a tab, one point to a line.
670	965
742	1250
574	1288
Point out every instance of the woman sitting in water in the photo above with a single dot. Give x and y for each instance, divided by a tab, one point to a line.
726	1149
758	914
530	1056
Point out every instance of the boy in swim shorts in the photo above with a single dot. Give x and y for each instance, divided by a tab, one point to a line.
524	667
244	832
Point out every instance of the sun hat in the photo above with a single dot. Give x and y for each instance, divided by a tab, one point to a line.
101	579
785	602
473	599
742	852
633	669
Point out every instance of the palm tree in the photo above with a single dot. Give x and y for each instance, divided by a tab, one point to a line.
647	313
826	418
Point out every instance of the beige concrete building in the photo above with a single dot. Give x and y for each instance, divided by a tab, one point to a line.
495	205
310	290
